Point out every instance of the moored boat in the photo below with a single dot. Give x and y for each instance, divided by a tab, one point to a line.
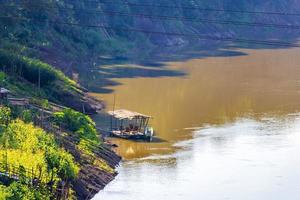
130	125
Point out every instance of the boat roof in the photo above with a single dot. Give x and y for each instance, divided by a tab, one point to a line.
127	114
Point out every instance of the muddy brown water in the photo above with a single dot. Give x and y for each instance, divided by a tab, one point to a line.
230	129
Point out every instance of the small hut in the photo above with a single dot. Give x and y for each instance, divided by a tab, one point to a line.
4	93
130	125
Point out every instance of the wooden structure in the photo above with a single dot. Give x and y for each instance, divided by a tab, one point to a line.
18	101
15	173
130	125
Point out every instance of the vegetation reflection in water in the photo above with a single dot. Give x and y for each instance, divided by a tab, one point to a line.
213	91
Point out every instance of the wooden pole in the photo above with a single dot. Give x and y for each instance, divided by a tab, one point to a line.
147	122
141	123
111	117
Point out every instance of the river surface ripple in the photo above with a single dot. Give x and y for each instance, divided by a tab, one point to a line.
231	130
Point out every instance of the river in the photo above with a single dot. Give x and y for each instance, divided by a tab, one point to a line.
229	128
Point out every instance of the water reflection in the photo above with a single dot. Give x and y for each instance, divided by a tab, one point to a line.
246	159
214	91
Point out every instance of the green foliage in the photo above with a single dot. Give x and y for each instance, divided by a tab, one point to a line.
22	87
2	77
4	192
73	43
24	136
44	103
5	114
77	122
84	127
24	145
67	169
31	69
19	191
16	112
27	116
61	162
80	124
22	78
22	175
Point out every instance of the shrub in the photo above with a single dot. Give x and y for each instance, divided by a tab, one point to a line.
30	69
44	103
4	192
61	162
80	124
27	116
23	136
77	122
32	148
19	191
5	114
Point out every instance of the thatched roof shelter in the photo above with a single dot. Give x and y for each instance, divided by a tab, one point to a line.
126	114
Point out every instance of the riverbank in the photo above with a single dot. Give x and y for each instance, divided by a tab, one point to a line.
91	178
57	107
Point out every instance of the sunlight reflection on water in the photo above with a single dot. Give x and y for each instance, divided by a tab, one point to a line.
228	129
246	159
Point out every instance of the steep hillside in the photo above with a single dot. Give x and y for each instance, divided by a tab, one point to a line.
43	28
48	151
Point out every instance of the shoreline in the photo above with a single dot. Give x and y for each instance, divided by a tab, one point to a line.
91	177
92	180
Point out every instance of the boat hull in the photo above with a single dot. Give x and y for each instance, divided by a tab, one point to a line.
131	137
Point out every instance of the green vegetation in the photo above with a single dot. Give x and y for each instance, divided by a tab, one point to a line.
75	43
84	128
23	144
2	78
34	72
5	115
62	163
41	30
28	68
24	147
38	81
80	124
19	191
36	40
30	148
4	192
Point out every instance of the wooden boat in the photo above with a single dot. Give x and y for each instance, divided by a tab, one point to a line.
130	125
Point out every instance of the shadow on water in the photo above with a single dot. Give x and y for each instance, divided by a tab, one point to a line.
154	140
138	63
